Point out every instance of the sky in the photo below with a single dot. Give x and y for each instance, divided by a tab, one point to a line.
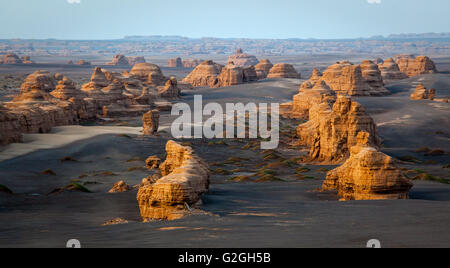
323	19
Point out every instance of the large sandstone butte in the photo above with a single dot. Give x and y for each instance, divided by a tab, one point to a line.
9	127
148	73
263	68
368	175
241	59
413	66
122	60
309	96
332	130
204	75
283	70
390	70
187	63
346	78
185	179
423	93
372	74
41	80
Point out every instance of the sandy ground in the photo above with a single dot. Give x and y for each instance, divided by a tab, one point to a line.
274	214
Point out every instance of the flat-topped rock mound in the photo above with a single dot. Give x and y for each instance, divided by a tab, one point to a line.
346	78
241	59
283	70
333	129
263	68
422	93
41	80
390	70
148	73
368	175
185	179
122	60
372	74
309	96
204	75
414	66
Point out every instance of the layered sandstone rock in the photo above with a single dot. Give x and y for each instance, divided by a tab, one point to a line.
423	93
346	78
191	63
170	89
390	70
204	75
83	63
153	162
66	90
332	130
243	60
175	63
372	74
368	175
316	76
98	81
263	68
231	75
119	60
413	66
11	59
185	179
10	131
120	187
283	70
308	97
148	73
250	75
135	60
41	80
151	122
27	60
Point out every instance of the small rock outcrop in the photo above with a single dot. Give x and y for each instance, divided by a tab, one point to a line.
422	93
332	130
175	63
241	59
170	89
120	187
390	70
151	122
205	75
414	66
152	162
119	60
185	179
283	70
263	68
83	63
149	74
11	59
231	75
368	175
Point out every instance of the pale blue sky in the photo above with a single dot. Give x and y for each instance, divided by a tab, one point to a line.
111	19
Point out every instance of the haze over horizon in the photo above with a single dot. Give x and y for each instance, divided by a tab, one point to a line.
259	19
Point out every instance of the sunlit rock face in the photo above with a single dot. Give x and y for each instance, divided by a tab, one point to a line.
263	68
150	122
333	129
309	96
372	74
390	70
368	175
41	80
185	179
414	66
422	93
205	75
283	70
241	59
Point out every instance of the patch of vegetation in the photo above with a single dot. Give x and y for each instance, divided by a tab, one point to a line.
131	169
68	159
303	170
323	170
262	172
5	189
48	172
125	136
82	176
240	179
269	178
272	165
105	174
221	171
431	162
427	177
136	159
409	158
435	153
446	166
212	143
235	160
77	187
